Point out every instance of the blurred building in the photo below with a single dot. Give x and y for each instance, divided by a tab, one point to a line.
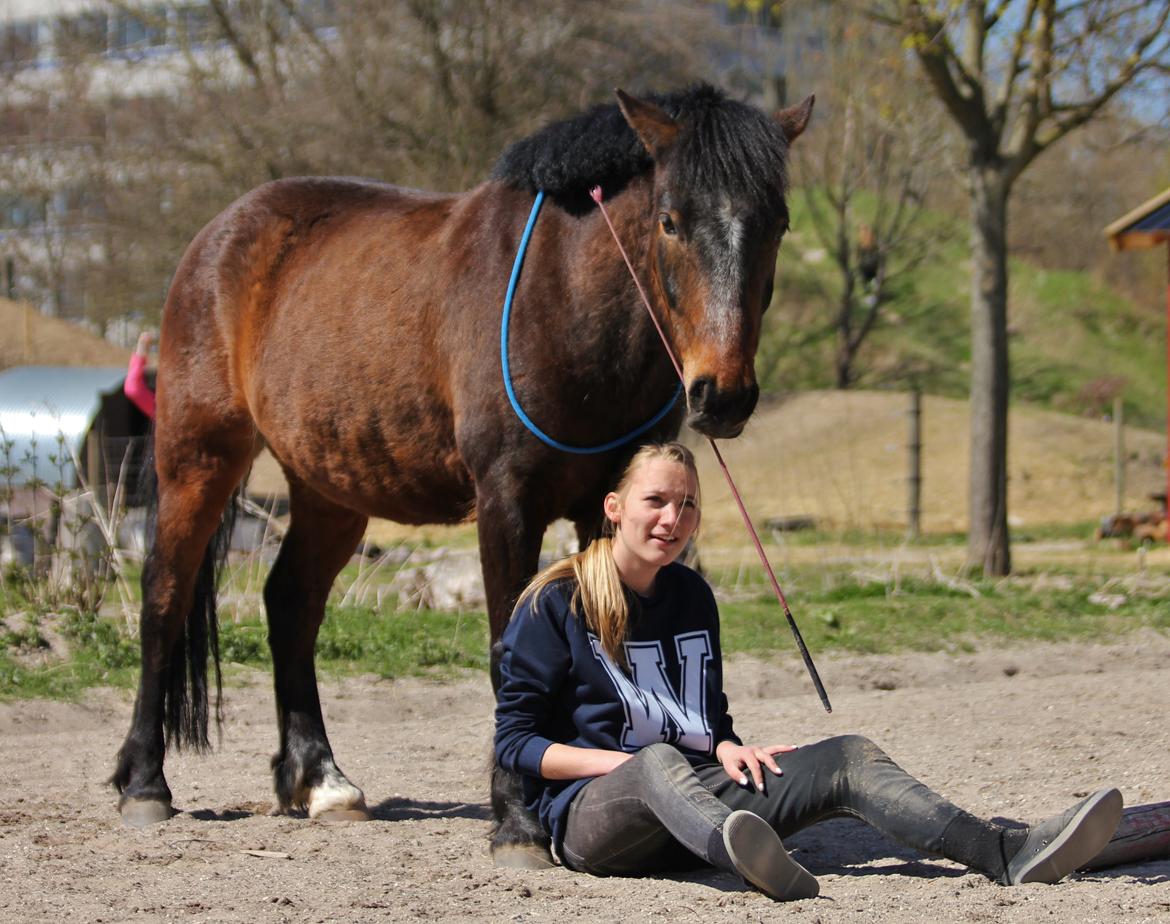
48	210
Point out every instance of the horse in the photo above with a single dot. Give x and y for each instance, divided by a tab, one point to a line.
353	328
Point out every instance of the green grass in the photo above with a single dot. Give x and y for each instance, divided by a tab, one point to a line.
836	609
353	640
884	538
102	654
1052	532
857	537
921	616
363	641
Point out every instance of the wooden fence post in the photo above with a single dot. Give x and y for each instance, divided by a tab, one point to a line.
914	499
1119	454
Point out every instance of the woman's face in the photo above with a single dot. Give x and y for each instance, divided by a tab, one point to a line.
654	518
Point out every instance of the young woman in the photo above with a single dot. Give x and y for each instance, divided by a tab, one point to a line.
611	708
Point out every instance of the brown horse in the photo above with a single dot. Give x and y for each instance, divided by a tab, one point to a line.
353	328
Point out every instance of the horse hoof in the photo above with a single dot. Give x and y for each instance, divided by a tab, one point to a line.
337	799
343	814
138	813
522	856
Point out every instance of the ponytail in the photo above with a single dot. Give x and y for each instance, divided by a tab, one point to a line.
602	597
599	596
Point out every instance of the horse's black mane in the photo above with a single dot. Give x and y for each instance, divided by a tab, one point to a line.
724	145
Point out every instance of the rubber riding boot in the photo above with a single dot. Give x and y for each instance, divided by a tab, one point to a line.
758	855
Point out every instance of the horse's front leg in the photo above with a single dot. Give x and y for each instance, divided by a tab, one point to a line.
320	540
509	551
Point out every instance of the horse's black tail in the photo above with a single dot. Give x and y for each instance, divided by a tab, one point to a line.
186	711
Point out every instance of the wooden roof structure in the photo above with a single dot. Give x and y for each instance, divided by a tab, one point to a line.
1146	226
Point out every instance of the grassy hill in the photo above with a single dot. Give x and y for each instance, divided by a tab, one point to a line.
1074	343
32	339
840	457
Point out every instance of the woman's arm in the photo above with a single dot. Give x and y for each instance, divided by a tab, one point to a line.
535	662
533	665
565	762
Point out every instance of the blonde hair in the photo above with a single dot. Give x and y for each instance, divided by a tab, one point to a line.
599	596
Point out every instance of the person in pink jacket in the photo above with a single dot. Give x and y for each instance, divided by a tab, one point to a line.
136	387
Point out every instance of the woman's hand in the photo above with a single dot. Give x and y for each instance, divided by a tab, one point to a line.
145	341
738	758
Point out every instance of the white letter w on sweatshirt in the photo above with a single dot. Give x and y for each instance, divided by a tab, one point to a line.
655	711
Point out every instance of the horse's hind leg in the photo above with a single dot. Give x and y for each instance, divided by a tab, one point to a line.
178	591
320	540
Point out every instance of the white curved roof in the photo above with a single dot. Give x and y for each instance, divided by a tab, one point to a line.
45	412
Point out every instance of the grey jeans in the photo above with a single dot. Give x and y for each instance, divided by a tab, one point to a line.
657	811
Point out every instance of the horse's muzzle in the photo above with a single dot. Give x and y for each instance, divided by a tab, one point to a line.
720	414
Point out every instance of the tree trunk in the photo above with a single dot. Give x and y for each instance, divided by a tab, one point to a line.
846	348
987	539
843	361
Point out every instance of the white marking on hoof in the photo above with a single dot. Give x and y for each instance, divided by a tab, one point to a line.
337	799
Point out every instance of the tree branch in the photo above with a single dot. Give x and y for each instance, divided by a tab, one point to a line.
235	40
963	99
1016	66
1077	114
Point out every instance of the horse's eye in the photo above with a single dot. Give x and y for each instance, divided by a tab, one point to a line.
667	224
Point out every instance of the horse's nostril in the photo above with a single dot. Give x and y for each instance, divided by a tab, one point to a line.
700	393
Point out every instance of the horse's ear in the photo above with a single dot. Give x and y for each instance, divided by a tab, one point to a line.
654	127
794	119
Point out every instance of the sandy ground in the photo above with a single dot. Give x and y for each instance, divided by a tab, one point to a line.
1020	734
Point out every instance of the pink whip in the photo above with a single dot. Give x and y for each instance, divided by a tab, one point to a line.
595	193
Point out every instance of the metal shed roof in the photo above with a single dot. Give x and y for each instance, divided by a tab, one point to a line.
1145	226
45	411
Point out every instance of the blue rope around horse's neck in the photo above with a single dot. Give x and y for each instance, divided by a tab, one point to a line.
515	402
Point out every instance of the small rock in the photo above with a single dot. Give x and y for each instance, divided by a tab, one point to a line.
1109	601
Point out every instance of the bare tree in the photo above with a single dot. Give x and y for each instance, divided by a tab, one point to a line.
422	92
237	92
1016	76
864	179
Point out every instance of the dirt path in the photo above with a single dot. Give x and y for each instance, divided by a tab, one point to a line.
1017	734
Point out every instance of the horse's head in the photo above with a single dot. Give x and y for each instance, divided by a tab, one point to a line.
718	217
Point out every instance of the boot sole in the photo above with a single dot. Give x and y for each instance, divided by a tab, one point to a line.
759	856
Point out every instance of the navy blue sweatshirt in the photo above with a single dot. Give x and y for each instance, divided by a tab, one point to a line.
558	686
